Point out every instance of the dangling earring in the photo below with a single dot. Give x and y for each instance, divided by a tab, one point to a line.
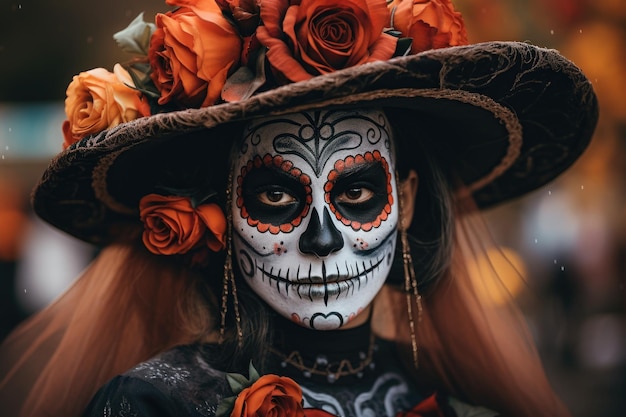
228	283
410	281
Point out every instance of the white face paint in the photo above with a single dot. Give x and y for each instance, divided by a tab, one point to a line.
315	213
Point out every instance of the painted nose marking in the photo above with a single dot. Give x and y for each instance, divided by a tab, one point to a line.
321	238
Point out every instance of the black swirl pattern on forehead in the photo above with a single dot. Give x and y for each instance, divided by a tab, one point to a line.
320	134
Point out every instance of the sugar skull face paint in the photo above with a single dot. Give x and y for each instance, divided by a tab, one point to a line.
315	213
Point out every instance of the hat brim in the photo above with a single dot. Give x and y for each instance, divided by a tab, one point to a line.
506	117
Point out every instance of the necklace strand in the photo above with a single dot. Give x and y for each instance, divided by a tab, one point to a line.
332	370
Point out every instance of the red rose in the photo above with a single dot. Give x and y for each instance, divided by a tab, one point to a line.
427	408
312	37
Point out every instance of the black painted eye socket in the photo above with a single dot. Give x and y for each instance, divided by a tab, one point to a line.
361	193
272	196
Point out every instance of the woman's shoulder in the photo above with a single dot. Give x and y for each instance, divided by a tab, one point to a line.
185	382
178	382
180	366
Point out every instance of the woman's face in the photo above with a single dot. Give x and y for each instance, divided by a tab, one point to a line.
315	213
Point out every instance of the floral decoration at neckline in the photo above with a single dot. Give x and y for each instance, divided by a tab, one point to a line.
282	397
206	52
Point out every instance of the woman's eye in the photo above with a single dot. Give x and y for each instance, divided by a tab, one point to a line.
355	195
275	198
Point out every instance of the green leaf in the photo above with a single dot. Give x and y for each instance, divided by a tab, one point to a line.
245	82
202	196
135	39
225	407
237	382
253	373
140	74
403	47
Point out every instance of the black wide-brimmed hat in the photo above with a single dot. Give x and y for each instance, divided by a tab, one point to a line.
506	117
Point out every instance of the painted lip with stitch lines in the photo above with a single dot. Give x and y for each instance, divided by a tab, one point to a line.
342	274
333	281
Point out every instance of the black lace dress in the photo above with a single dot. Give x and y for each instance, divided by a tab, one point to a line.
346	373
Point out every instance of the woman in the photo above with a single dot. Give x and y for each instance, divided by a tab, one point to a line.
286	215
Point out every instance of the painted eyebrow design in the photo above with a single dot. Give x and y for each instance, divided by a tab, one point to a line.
357	170
272	172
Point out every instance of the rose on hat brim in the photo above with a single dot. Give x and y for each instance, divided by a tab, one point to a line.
504	126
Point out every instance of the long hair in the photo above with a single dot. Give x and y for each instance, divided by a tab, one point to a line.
469	346
126	307
130	305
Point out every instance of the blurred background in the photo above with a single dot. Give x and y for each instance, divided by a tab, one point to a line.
568	239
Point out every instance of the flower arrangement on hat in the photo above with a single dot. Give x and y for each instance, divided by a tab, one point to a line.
205	52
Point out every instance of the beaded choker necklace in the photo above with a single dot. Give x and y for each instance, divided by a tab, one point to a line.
329	354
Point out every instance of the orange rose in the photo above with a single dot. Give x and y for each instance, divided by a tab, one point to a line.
312	37
431	23
213	218
98	100
270	395
191	3
173	226
191	53
208	10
